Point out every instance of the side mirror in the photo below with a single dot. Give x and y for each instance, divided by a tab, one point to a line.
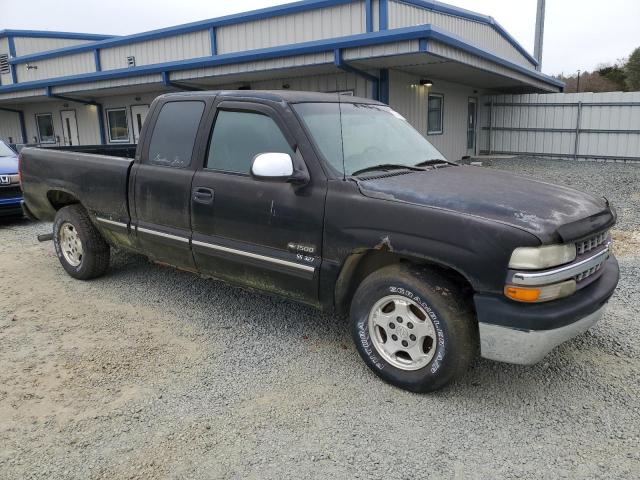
272	166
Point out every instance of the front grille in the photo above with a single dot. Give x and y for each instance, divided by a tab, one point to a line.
590	243
584	275
10	192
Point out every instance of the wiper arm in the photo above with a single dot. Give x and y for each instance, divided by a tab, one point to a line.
386	166
433	161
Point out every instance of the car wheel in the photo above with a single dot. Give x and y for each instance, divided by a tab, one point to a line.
80	247
413	327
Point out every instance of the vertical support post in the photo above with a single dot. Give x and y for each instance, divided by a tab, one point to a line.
100	112
23	128
368	5
12	54
214	41
384	86
539	39
383	16
96	57
576	147
490	127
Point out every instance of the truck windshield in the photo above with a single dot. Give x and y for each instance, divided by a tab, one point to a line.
371	135
5	151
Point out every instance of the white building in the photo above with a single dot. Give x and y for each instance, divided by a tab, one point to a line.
430	61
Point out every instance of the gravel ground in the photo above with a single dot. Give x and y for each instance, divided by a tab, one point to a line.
154	373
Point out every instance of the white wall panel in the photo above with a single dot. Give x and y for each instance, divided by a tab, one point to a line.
57	67
4	48
480	34
338	21
411	102
27	45
180	47
339	82
10	127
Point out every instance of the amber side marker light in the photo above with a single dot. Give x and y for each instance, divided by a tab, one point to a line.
521	294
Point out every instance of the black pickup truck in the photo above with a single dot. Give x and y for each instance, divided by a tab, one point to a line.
339	203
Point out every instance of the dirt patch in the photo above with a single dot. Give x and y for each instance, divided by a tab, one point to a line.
626	243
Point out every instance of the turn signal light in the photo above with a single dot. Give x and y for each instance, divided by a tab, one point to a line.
540	294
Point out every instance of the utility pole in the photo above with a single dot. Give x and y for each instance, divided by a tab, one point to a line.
537	48
578	86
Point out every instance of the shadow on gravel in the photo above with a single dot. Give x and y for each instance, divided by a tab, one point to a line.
14	221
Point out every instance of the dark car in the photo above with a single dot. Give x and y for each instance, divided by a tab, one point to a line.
339	203
10	193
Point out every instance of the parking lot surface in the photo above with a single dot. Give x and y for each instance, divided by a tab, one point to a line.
150	372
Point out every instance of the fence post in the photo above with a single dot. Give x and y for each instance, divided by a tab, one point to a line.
577	144
490	126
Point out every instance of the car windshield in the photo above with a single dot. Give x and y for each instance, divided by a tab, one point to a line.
5	151
371	136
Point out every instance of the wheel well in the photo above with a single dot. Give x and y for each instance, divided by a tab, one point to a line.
59	199
360	265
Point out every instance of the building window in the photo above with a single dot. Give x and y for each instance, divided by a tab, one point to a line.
44	122
118	125
174	134
434	116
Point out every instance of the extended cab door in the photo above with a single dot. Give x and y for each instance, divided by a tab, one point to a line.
262	234
162	181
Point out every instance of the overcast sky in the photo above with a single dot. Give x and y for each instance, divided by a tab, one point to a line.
579	34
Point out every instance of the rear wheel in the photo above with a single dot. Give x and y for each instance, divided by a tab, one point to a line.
413	327
82	251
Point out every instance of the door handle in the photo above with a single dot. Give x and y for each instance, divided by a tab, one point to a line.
203	195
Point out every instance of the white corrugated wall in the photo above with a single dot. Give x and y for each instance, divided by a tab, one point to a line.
10	127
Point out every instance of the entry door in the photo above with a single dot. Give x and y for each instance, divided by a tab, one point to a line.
471	126
262	234
138	115
162	183
70	128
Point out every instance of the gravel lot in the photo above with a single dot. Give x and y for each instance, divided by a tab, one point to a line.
154	373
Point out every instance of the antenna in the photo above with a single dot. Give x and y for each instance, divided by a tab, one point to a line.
537	48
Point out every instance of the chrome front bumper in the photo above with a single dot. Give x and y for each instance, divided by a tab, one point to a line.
526	347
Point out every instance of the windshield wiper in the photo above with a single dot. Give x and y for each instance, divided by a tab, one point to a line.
386	166
433	161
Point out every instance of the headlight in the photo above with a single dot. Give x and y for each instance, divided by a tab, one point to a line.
538	258
540	294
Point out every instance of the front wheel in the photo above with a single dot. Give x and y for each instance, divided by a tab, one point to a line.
413	327
82	251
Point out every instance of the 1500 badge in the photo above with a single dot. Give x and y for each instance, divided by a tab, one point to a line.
298	247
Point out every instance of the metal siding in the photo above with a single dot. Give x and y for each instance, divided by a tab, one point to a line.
10	127
320	83
338	21
57	67
375	9
4	48
179	47
275	64
411	102
104	84
562	113
389	49
480	34
28	45
86	118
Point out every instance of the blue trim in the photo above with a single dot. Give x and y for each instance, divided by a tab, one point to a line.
47	34
279	10
317	46
23	128
468	14
12	54
423	45
96	57
383	16
339	63
214	41
368	6
100	112
384	86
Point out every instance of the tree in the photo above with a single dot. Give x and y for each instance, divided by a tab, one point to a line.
632	70
615	73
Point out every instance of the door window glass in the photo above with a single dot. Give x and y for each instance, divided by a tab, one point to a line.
118	125
434	120
174	134
239	136
45	128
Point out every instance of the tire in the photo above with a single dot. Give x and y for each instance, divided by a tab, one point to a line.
403	301
82	251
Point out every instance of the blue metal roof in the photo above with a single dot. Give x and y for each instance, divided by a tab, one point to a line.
49	34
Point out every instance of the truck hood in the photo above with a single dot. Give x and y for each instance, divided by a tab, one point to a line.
537	207
8	165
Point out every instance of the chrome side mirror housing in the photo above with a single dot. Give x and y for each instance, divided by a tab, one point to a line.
272	166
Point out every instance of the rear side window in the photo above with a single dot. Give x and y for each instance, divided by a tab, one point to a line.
239	136
174	134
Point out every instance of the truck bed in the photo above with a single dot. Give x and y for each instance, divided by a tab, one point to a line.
98	179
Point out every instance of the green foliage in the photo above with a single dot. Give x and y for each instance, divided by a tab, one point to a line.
615	74
632	70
